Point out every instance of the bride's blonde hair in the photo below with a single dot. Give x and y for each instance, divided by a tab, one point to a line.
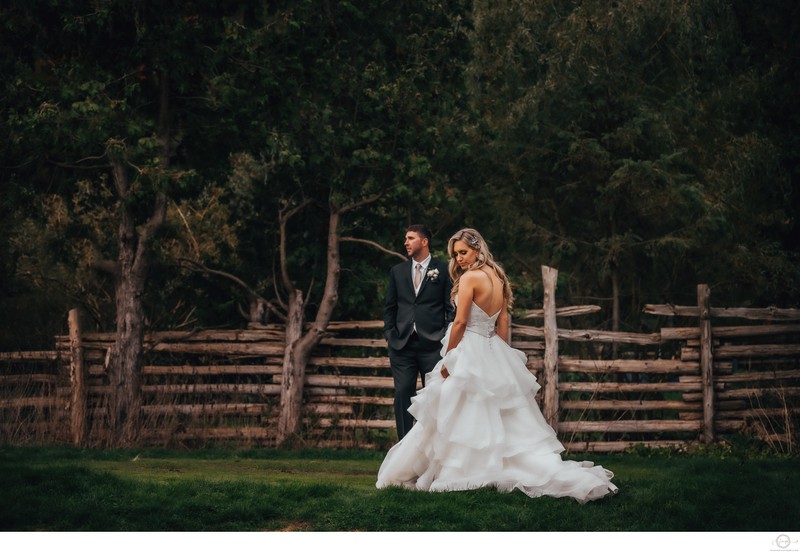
475	241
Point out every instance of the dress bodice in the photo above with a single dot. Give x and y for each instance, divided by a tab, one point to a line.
480	322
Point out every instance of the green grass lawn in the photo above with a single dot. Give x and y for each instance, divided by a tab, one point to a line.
64	489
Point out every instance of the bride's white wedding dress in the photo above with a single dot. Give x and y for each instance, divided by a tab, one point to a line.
481	427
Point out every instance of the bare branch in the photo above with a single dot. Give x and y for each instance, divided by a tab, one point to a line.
188	229
278	297
252	294
156	219
308	292
374	244
75	165
106	266
361	202
331	294
275	311
283	218
199	267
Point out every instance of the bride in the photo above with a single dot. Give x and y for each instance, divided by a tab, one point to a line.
477	423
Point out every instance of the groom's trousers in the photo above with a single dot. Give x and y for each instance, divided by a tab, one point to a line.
415	360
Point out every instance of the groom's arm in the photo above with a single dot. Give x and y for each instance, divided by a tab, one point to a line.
449	308
390	307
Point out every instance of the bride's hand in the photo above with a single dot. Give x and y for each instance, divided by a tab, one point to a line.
445	373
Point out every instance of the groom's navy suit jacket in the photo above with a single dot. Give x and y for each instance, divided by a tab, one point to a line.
430	310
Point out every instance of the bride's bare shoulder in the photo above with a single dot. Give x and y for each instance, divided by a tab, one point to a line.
475	277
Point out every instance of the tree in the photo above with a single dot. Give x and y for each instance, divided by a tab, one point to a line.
607	125
102	127
365	133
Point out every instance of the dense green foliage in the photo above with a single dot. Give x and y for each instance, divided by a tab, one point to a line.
636	136
58	489
640	146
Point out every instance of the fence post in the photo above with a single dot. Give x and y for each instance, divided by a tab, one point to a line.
77	380
706	361
550	373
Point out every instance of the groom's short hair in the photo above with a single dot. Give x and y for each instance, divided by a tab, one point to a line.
422	230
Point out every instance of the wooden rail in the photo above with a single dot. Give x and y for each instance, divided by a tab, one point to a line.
677	386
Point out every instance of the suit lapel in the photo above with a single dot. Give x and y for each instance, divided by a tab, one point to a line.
425	279
407	278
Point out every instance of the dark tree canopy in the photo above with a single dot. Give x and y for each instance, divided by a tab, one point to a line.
640	146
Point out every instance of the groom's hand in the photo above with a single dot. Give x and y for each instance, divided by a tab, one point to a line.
445	373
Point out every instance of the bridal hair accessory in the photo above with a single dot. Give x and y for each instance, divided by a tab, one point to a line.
433	274
473	241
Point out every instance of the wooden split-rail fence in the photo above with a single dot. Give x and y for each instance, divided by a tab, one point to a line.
696	380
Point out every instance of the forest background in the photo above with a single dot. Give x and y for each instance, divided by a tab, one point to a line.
215	156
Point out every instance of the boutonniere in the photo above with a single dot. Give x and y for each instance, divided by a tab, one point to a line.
433	275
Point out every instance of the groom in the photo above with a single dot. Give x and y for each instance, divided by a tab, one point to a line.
415	319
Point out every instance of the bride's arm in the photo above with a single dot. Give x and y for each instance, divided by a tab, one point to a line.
502	326
466	291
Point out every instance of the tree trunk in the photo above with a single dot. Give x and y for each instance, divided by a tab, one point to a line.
293	371
131	271
299	346
125	361
130	277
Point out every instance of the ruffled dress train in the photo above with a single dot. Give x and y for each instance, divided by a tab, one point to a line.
481	427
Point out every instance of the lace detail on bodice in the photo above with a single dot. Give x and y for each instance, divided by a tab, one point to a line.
480	322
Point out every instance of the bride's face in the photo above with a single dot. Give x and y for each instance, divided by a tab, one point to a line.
463	254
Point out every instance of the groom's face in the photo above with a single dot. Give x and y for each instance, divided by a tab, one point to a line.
416	245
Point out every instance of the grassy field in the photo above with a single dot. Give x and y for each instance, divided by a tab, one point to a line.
62	489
